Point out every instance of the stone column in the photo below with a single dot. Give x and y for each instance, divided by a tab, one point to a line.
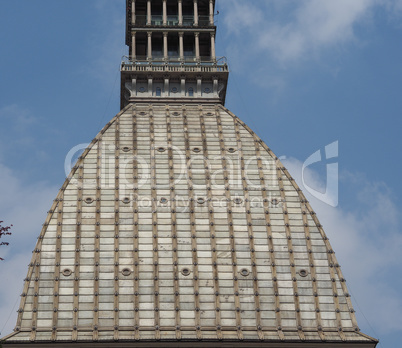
211	12
164	12
183	85
150	85
149	55
167	86
197	45
195	12
133	12
199	86
133	45
180	12
213	54
134	86
165	45
215	84
149	12
181	45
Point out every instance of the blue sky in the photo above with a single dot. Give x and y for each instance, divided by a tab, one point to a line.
304	74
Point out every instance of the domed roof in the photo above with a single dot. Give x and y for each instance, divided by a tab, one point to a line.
179	223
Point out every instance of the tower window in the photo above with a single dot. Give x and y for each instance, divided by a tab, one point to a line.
172	12
203	12
157	46
156	10
189	46
205	46
141	12
173	46
191	92
158	91
188	13
141	46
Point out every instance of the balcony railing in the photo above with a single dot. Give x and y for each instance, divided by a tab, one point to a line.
203	21
186	64
156	20
172	20
188	21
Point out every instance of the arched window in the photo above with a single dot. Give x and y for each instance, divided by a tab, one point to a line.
158	91
191	92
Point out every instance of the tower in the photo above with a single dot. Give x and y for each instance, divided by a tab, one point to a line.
172	53
178	226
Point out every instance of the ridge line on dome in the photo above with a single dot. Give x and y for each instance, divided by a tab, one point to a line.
285	216
365	336
155	242
247	208
268	223
135	227
173	227
212	228
194	252
237	301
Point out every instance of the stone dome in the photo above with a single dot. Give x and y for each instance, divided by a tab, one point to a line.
179	224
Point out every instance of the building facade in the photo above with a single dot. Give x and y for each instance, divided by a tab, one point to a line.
178	226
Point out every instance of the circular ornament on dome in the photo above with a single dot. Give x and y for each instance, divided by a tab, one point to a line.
175	90
176	114
274	201
141	90
200	200
186	272
67	272
244	272
161	149
197	150
164	200
89	200
238	201
231	150
303	273
126	149
126	200
126	272
207	90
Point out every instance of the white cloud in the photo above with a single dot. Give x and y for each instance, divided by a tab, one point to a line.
298	30
367	243
23	206
392	5
242	15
